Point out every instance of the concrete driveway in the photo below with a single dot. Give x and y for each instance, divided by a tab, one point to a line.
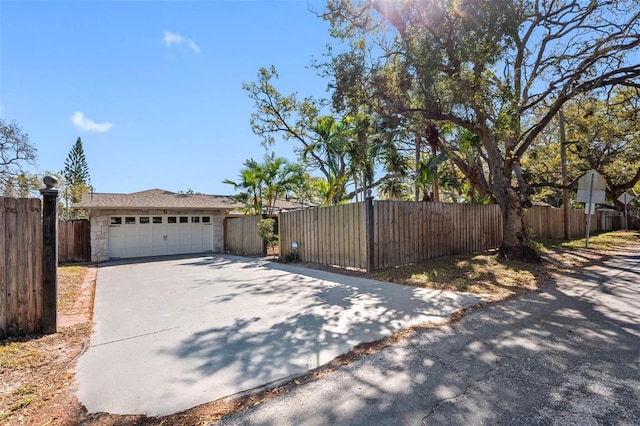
568	355
174	333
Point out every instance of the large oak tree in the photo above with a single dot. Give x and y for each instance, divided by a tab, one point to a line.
601	133
486	66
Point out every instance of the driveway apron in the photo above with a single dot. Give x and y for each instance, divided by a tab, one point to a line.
174	333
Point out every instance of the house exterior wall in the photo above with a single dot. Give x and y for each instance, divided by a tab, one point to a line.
100	220
99	238
218	233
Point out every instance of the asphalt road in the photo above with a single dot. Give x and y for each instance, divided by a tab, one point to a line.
569	355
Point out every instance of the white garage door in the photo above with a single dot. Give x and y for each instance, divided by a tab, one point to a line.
137	236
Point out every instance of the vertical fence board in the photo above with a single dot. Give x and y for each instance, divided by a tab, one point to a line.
11	253
548	222
320	244
36	271
3	270
362	236
312	229
242	236
406	232
21	282
74	241
24	260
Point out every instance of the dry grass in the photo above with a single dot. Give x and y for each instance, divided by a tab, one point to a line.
486	274
69	280
481	273
37	382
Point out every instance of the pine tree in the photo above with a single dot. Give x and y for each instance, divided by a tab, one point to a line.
76	173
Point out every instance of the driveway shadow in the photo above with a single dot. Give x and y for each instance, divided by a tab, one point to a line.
288	319
567	355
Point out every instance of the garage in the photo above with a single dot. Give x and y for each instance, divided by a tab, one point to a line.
154	223
137	236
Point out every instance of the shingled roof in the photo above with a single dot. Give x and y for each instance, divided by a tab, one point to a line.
155	199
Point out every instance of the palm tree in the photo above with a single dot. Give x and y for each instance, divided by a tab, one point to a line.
250	184
280	178
262	184
428	174
331	148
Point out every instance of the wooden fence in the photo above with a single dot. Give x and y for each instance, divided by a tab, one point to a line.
326	235
74	241
400	233
548	222
21	281
241	236
407	232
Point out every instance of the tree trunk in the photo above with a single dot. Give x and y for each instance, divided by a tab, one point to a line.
515	242
434	139
436	188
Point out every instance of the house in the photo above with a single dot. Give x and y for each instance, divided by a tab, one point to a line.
281	205
155	222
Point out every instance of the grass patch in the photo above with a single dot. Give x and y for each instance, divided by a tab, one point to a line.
70	279
24	390
15	354
32	367
24	402
486	274
607	241
481	273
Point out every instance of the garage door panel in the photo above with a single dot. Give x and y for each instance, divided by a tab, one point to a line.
116	241
145	237
137	236
172	235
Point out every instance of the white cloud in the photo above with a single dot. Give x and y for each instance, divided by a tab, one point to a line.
83	123
193	46
173	39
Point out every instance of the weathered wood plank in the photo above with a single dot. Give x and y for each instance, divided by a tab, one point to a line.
11	264
25	262
36	271
242	236
3	271
21	281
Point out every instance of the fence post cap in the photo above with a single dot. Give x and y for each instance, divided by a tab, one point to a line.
50	182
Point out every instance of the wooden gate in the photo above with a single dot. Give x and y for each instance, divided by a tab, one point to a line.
74	241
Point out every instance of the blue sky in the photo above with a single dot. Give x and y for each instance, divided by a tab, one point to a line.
153	88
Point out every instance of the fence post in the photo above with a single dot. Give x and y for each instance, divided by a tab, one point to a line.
369	229
49	255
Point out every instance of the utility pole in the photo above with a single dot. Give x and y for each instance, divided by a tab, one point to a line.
565	190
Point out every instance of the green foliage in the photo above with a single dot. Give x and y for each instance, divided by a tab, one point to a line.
16	152
76	169
344	149
497	71
75	176
266	231
291	257
23	185
262	184
602	133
